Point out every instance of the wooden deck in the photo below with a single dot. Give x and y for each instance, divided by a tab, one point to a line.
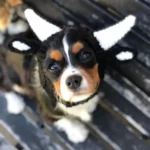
122	119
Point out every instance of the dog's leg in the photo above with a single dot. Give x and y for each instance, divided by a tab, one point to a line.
23	90
85	116
75	130
15	103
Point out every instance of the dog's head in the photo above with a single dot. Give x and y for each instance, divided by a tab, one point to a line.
74	58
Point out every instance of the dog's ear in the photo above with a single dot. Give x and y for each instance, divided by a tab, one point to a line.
23	46
122	53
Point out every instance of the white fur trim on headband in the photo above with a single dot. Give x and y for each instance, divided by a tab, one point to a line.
124	56
20	46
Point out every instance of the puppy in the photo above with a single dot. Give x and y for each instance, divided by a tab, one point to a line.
69	65
14	79
12	75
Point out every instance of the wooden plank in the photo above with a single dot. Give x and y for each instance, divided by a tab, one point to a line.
129	91
52	12
89	144
29	135
133	126
117	132
136	73
127	110
146	2
90	16
4	144
12	140
144	59
131	103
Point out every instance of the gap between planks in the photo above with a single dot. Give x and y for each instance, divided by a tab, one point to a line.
46	129
119	115
12	140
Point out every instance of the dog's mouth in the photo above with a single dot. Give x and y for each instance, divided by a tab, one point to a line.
71	104
82	98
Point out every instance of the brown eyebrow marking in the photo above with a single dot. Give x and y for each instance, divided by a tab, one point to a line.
77	47
56	54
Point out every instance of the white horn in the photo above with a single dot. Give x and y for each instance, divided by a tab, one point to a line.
42	28
111	35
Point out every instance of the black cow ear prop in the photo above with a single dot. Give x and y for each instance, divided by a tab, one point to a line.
23	46
123	53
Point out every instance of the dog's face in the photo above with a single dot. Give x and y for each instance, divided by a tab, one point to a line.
72	60
71	64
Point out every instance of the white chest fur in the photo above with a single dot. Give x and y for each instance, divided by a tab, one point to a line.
82	111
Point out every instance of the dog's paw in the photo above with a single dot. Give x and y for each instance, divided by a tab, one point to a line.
15	103
75	130
86	117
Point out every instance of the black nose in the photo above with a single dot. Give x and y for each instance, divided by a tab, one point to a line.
73	82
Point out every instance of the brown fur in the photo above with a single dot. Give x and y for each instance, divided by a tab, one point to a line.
57	86
6	7
14	2
77	47
56	54
15	62
92	77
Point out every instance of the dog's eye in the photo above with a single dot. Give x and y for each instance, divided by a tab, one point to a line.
54	67
85	56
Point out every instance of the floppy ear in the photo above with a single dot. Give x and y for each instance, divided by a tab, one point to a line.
20	45
123	53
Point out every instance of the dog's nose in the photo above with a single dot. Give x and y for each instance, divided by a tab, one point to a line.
73	82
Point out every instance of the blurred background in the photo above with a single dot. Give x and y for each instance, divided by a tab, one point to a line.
122	119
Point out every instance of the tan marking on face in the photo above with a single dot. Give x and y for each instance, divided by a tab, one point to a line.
77	47
57	87
92	77
56	54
